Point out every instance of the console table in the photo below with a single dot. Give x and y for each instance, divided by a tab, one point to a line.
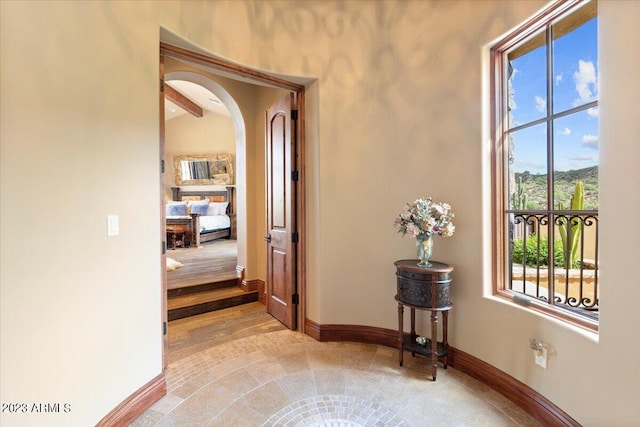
424	288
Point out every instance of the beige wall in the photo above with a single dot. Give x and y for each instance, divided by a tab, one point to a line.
396	113
210	134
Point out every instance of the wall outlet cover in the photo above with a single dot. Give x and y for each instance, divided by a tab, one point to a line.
541	357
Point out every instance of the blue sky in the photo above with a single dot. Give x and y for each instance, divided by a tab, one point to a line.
575	75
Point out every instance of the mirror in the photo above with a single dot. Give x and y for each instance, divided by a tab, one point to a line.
203	169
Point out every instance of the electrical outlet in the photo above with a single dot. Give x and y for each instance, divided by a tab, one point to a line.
541	357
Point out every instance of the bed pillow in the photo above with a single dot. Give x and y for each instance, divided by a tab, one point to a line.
176	209
201	209
217	208
197	206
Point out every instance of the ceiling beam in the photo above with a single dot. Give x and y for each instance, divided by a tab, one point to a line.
182	101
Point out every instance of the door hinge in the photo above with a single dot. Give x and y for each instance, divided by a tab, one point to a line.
295	299
164	247
295	176
294	114
295	238
162	85
162	166
164	328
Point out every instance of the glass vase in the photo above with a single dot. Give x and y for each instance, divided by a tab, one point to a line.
425	250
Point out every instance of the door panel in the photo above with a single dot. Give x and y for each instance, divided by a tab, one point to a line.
281	253
277	168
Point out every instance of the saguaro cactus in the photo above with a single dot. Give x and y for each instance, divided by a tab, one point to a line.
518	198
570	235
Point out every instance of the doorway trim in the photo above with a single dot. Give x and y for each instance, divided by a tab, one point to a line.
227	68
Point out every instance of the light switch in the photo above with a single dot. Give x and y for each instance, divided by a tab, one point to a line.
113	225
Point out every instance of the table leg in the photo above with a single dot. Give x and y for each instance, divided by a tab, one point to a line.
434	343
445	341
401	331
413	323
413	329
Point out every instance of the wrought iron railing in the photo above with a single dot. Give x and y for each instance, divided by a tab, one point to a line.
563	270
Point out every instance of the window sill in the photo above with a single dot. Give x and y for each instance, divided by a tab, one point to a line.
561	317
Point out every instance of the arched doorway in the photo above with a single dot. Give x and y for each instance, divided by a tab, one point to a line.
211	64
231	106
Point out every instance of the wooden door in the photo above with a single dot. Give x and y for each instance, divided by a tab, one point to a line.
282	235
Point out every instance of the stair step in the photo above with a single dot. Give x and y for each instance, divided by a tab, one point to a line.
203	302
202	287
202	297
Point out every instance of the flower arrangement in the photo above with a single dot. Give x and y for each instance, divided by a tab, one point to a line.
423	218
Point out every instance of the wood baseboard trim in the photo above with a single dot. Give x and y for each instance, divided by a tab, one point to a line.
353	333
262	292
133	406
519	393
250	285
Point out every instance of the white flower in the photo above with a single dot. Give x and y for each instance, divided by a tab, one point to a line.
413	230
448	230
424	218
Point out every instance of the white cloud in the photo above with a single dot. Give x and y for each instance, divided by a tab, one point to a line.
590	141
558	79
593	112
566	131
585	79
541	104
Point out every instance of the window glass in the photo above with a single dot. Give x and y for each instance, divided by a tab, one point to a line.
575	63
528	168
575	158
527	84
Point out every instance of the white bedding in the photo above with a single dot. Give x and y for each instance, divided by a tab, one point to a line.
214	222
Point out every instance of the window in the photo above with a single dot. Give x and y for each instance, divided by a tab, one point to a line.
545	163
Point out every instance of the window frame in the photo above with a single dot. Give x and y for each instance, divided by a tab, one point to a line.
498	86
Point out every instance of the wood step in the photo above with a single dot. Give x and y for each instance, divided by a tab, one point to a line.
196	303
202	287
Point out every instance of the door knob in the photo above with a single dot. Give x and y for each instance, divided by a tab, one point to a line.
267	238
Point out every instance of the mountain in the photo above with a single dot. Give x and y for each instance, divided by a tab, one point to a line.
534	186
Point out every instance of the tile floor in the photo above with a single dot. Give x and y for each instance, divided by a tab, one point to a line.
285	378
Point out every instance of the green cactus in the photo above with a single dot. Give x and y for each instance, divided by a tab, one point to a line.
570	239
518	198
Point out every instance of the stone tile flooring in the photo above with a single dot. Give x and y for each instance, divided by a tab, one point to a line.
288	379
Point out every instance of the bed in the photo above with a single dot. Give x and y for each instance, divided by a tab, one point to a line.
199	216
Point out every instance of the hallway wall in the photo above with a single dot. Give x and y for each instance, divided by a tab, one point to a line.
210	134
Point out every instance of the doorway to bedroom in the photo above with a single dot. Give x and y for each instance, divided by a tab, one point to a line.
250	178
200	184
